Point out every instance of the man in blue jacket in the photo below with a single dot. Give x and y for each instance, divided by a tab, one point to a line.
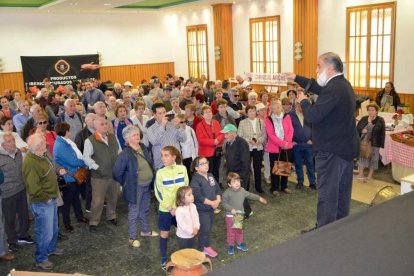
335	139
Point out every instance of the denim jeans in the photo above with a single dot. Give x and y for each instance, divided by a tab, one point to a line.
45	228
303	153
140	211
2	252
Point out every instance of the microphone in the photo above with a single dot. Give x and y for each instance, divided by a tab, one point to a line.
308	85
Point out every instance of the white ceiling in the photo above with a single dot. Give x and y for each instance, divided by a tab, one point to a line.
97	6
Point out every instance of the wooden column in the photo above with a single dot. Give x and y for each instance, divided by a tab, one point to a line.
305	31
223	38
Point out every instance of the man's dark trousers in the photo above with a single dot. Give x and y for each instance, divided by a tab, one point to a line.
334	187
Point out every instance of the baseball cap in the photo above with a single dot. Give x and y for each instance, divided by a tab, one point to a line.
229	128
168	87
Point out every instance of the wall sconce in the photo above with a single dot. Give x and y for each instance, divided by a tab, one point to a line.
217	52
298	51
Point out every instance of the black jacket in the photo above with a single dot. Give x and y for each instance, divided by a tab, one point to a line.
81	136
202	189
378	131
395	98
332	117
238	158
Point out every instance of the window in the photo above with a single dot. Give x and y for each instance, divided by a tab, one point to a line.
197	51
370	45
265	44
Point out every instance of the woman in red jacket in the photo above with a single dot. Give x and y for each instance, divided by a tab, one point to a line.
210	141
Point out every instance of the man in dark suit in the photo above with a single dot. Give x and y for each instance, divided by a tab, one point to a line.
334	135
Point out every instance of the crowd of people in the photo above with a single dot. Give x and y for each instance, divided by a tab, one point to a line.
194	143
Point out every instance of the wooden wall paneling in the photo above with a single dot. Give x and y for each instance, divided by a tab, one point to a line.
405	98
12	81
223	38
305	31
120	73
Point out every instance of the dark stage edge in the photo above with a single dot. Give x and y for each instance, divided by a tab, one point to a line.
378	241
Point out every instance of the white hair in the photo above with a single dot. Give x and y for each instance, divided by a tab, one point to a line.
128	131
117	85
252	95
35	141
95	106
5	133
68	101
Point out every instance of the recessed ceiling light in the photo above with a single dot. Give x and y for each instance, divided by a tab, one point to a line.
107	4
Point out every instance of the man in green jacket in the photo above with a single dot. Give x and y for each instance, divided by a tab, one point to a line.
41	185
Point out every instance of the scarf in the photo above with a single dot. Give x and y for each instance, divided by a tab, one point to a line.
74	147
277	122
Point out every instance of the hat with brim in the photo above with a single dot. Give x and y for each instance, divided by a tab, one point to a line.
229	128
128	83
260	106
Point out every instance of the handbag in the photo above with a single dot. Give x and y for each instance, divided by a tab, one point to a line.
80	175
365	149
282	168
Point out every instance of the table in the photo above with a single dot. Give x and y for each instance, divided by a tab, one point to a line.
377	241
401	156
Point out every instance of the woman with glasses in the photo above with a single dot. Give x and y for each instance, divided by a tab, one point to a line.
40	126
207	197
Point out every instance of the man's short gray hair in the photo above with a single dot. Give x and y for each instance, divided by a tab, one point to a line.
90	117
69	87
68	101
5	133
334	59
95	106
35	141
128	131
117	85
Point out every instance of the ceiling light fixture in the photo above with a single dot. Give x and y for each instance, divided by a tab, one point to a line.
107	4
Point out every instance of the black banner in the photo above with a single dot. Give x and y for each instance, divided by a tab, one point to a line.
61	70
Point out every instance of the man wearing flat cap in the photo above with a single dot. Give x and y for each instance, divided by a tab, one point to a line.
237	154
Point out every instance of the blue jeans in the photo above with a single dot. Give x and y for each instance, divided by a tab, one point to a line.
45	228
303	153
2	252
139	211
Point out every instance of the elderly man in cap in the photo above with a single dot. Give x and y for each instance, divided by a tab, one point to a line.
237	154
41	183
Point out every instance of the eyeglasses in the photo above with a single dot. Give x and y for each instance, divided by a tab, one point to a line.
236	96
203	163
42	123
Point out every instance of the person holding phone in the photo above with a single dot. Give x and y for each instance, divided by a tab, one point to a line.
164	132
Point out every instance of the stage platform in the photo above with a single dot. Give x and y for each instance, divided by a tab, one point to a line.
378	241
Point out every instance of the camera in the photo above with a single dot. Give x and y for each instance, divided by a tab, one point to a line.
170	117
